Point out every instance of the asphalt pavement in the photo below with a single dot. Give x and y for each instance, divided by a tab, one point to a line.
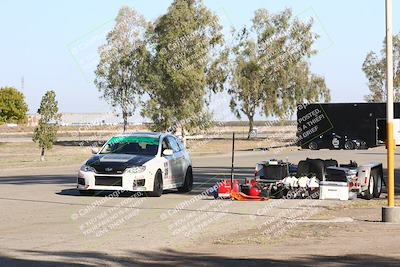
44	221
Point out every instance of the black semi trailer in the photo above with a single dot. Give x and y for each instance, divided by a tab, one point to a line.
342	125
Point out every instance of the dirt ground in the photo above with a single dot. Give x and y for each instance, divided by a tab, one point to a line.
38	228
27	154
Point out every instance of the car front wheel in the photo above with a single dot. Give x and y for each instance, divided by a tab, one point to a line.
158	185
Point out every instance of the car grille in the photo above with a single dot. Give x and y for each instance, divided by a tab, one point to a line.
108	180
109	168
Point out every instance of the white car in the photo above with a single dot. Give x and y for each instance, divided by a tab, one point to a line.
146	162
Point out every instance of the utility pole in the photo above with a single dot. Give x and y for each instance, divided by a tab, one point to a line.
390	213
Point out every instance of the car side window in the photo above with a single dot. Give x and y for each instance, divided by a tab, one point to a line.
174	144
180	144
165	145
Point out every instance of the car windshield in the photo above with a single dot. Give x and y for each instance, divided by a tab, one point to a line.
137	145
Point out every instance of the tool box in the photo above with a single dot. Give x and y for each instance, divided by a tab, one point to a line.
336	184
333	190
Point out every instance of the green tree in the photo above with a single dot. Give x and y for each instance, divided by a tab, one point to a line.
374	67
270	70
12	106
45	133
182	67
117	75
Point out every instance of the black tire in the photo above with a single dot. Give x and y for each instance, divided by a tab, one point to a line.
86	192
378	185
158	185
291	194
363	145
279	193
369	193
349	145
313	145
188	184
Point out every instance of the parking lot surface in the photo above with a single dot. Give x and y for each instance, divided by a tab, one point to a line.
44	220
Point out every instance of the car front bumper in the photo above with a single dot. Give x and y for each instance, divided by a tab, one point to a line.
135	182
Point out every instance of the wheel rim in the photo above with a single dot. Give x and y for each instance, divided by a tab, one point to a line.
313	145
379	185
371	185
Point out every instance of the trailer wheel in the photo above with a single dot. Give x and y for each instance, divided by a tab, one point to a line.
349	145
313	145
369	193
378	185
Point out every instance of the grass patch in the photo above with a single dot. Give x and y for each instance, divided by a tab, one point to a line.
24	155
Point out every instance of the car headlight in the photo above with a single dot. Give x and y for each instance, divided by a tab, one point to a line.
87	168
136	169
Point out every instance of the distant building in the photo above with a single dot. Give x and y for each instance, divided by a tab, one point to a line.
88	119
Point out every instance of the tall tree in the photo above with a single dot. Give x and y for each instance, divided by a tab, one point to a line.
270	70
183	67
45	133
117	74
12	106
374	67
247	84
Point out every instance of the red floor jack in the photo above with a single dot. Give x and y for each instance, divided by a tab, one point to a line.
231	188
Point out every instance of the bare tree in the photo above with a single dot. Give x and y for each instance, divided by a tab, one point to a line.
374	67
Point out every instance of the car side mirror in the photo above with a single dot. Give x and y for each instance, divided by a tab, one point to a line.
95	150
168	152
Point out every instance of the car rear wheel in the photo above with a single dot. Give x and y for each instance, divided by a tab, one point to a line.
188	184
158	185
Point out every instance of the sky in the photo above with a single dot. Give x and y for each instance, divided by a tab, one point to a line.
53	44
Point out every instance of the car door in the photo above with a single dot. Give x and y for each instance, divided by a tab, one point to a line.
185	160
179	159
169	170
